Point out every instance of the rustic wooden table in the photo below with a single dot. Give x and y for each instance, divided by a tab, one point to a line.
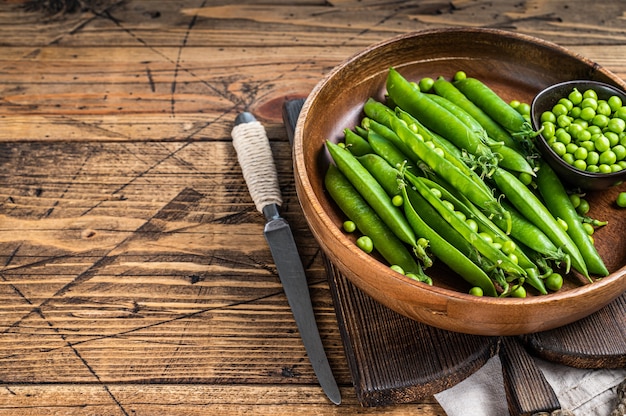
135	278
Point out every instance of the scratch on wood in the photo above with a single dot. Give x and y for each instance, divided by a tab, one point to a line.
178	207
177	64
11	256
66	190
51	209
150	80
17	291
33	54
93	127
39	262
85	363
138	176
95	374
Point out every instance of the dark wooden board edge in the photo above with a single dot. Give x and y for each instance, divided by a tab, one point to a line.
291	112
597	341
527	390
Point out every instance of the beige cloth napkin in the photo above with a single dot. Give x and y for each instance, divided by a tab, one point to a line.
584	392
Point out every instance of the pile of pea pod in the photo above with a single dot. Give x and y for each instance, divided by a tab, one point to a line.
446	170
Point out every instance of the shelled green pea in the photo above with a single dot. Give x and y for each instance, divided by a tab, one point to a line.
621	200
522	107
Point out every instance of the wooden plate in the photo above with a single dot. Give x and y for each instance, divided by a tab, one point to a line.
516	67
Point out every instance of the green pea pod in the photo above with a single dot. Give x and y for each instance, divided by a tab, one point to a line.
534	210
532	270
452	153
387	150
435	221
382	171
388	177
483	247
428	135
494	130
512	160
492	104
471	211
434	116
372	192
445	251
352	204
386	143
558	202
534	241
465	118
532	237
386	133
533	279
447	170
357	145
509	158
361	131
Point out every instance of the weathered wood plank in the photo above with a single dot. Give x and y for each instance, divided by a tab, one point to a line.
136	104
309	22
199	399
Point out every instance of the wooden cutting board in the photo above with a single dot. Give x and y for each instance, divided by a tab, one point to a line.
394	359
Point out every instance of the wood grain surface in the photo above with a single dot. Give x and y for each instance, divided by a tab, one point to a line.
135	278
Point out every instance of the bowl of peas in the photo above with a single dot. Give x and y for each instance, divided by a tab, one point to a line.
582	127
434	217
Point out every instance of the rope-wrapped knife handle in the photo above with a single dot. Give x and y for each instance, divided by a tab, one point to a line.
256	160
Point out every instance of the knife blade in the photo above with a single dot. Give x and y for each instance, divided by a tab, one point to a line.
257	164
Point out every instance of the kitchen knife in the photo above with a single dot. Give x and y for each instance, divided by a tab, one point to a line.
257	164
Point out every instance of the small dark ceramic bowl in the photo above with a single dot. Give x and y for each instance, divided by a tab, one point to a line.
577	178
